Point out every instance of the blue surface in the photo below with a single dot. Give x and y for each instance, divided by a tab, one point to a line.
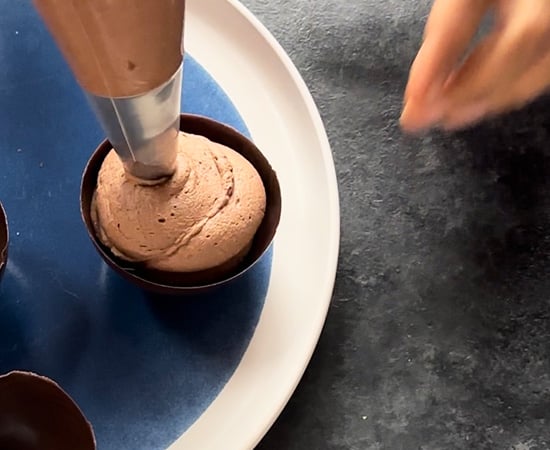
141	370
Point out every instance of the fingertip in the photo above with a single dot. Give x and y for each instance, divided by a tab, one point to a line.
406	121
417	117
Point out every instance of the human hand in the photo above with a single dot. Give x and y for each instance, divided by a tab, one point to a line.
507	69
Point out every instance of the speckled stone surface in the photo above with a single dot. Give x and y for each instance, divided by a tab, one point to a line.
439	332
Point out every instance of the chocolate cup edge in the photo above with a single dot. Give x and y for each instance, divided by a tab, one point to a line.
4	239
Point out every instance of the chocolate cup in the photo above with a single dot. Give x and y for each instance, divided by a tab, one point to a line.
4	240
180	283
36	414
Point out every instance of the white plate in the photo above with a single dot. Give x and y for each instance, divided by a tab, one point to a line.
279	111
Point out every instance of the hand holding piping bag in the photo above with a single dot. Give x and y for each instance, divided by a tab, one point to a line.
510	66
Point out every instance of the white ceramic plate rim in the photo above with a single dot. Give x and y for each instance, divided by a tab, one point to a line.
281	115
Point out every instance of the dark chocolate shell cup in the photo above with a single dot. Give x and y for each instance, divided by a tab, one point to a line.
4	240
180	283
36	414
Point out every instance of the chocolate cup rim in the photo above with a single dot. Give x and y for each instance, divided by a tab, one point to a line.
196	124
71	408
4	239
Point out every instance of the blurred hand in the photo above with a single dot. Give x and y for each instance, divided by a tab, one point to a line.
507	69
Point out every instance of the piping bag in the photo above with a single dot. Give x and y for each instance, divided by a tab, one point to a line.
127	55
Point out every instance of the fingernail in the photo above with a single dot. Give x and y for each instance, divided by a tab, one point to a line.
415	117
465	116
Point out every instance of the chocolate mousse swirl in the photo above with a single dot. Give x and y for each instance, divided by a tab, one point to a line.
205	215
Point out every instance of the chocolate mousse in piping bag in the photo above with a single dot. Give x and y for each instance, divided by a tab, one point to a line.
127	55
168	200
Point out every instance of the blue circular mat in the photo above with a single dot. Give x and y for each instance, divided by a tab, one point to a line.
142	370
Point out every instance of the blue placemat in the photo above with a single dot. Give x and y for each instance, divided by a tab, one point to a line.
142	370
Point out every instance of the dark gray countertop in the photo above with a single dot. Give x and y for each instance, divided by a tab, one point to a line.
439	332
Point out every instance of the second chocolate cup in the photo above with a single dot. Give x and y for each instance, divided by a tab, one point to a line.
180	283
36	414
